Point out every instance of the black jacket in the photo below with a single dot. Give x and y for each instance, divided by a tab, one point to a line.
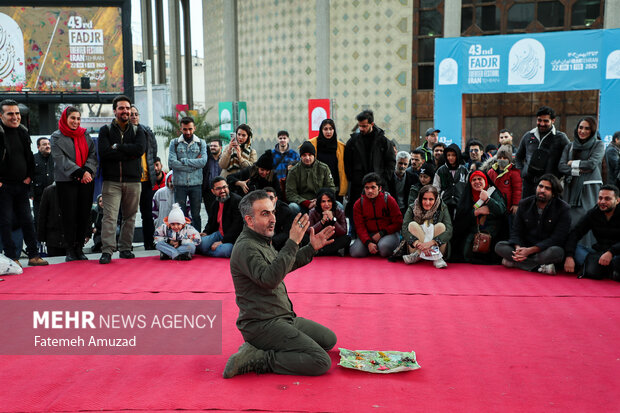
232	222
5	153
122	164
43	174
255	181
284	220
544	231
50	228
607	233
356	164
151	153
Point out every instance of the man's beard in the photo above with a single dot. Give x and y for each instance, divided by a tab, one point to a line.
223	198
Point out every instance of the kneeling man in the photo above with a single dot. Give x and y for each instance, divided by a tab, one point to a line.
276	340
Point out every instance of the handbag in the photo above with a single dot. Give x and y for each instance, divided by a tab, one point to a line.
482	242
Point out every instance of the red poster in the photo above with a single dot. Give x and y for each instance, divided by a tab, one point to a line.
318	110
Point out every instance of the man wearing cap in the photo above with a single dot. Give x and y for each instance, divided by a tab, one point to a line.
432	135
257	176
305	179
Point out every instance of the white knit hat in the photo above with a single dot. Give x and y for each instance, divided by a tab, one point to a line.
176	215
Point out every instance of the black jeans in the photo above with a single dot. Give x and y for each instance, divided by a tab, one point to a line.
146	210
15	207
75	200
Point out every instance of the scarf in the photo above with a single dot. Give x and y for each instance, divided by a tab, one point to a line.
327	145
235	162
79	139
420	215
578	151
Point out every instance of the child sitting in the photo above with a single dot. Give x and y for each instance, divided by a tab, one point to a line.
176	238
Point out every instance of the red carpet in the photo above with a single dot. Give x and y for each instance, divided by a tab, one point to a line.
487	338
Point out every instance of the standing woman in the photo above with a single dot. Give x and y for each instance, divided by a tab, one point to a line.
581	166
75	164
238	154
330	150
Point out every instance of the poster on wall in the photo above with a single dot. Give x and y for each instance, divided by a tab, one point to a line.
534	62
50	50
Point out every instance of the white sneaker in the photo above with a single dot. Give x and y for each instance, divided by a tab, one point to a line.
412	258
547	269
440	263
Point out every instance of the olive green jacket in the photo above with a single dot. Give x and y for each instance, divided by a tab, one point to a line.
258	272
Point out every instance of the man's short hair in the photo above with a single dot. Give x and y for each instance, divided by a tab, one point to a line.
283	132
246	205
218	141
371	177
186	120
216	180
616	136
556	186
40	139
476	142
120	98
366	115
610	187
7	102
443	145
403	155
270	189
417	152
505	131
546	110
157	159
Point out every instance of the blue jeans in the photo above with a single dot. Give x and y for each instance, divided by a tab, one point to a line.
222	251
581	253
194	192
172	252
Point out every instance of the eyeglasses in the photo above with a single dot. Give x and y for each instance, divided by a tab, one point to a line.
474	150
221	188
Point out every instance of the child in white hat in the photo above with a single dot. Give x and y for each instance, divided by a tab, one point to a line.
176	238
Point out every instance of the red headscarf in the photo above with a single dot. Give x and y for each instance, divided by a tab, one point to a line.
78	136
476	194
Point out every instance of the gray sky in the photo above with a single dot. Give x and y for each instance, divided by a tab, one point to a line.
196	21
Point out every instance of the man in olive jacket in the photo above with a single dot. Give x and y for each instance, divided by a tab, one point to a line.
306	178
276	339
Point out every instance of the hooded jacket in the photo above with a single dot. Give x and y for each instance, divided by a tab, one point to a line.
451	186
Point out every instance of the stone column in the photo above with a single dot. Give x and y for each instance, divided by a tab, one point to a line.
611	19
174	55
322	49
452	18
231	68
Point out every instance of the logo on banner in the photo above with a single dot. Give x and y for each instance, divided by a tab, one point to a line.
319	114
448	72
613	65
526	63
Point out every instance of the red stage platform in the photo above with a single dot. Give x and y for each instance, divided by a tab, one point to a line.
487	339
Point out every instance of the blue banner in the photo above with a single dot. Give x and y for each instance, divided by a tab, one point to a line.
536	62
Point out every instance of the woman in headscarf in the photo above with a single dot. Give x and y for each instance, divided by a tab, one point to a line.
482	209
75	164
238	154
581	163
427	228
326	213
330	150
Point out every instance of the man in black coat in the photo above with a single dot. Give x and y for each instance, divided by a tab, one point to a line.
603	258
225	222
367	151
539	230
284	219
16	172
43	174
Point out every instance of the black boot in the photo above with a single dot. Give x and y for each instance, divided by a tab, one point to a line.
80	253
71	255
246	360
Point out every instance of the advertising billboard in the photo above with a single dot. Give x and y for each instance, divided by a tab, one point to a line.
59	48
